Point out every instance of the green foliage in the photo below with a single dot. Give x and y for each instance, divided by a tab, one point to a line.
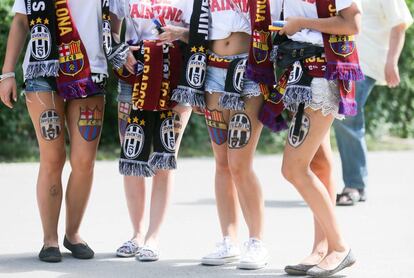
388	112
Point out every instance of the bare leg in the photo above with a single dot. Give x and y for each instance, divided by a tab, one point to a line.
244	133
84	138
296	169
47	114
226	193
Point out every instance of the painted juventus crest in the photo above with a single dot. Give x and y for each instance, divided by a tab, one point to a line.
296	73
133	141
296	141
167	134
239	131
41	42
239	74
50	125
107	39
196	70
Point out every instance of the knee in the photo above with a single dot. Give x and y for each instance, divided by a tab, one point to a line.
83	164
239	170
321	166
294	172
222	166
53	162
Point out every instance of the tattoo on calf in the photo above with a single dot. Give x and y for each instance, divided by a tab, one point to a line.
54	191
90	123
50	125
217	127
296	140
123	115
240	129
178	125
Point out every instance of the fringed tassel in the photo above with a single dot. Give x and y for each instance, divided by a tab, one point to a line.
260	76
270	116
42	69
348	107
231	101
77	89
162	161
135	168
187	95
295	95
273	53
344	71
119	56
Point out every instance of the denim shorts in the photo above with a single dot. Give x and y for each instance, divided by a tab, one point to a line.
216	79
48	85
125	93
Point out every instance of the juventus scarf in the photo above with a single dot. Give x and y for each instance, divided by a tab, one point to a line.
231	98
57	50
149	143
260	68
191	87
342	60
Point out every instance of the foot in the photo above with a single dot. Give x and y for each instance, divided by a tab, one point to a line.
148	254
332	264
50	254
350	196
226	252
79	250
128	249
255	255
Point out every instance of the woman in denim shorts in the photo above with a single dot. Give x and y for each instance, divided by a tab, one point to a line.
50	114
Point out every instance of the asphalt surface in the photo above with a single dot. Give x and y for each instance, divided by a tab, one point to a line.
380	231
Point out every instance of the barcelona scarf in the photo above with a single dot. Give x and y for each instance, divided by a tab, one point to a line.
191	87
342	60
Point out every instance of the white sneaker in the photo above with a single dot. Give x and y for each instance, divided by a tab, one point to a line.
226	252
255	255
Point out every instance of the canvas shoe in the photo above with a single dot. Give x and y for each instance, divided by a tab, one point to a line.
255	255
226	252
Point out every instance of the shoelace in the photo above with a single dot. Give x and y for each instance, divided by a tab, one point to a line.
252	248
222	248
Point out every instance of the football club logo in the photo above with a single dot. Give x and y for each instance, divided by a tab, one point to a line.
347	85
123	115
342	45
196	70
167	134
40	40
260	46
50	126
90	123
239	74
217	127
71	59
296	73
107	39
133	141
177	125
297	140
239	131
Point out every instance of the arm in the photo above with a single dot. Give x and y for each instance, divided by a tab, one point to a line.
172	33
396	44
17	36
347	22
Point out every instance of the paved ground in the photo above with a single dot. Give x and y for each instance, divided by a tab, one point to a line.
381	231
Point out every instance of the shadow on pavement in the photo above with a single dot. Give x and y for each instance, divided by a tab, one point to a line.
268	203
106	265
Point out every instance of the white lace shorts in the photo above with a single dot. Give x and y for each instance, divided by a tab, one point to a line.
325	97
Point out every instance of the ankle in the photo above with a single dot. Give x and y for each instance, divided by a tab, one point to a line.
50	243
73	237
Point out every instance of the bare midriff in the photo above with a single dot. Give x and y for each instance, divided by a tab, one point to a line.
236	43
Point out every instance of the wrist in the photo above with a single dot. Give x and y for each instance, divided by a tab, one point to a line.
7	75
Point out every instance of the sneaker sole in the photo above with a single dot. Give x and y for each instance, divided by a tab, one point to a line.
217	262
251	266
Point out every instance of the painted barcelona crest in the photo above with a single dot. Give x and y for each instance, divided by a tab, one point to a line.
71	59
342	45
260	46
217	127
90	123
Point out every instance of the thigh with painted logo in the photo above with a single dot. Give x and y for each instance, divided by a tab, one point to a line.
216	120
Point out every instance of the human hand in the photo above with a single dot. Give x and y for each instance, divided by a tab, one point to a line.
131	61
8	91
292	26
171	33
392	74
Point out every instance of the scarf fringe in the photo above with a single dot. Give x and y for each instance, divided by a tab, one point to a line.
162	161
42	69
273	53
295	95
188	95
259	75
269	119
348	108
344	71
77	89
135	168
231	101
119	56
